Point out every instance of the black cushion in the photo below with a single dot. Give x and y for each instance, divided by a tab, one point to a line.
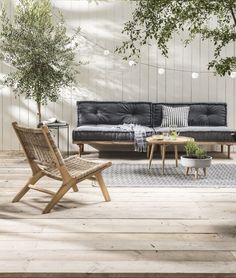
200	114
105	133
114	113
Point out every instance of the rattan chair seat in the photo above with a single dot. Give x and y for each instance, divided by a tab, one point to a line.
77	167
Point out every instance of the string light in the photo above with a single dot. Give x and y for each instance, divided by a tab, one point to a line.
195	75
106	52
2	76
233	74
161	71
132	63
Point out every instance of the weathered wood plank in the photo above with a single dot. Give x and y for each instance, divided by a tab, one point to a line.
72	236
136	255
115	275
140	267
118	226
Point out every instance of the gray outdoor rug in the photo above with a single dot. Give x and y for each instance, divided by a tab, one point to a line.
137	175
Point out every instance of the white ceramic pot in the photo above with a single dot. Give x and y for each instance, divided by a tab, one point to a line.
196	162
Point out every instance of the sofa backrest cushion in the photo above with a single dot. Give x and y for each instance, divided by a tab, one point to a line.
114	113
200	114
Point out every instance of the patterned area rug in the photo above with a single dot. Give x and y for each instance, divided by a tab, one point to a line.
138	175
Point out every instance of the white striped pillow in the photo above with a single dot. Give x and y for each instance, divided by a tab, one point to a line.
175	116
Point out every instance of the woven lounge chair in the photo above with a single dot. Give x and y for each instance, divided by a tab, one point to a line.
45	159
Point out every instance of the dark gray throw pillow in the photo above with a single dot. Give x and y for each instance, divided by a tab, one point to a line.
175	116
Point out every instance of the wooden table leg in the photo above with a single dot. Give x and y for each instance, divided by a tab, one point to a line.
205	171
148	150
228	151
176	155
151	155
163	154
222	148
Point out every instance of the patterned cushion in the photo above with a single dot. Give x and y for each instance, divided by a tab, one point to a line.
175	116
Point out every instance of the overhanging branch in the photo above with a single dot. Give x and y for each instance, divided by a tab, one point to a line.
233	14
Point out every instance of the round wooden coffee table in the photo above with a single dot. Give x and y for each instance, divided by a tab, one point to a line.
163	143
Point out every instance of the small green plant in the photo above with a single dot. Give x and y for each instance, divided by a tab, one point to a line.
193	150
200	153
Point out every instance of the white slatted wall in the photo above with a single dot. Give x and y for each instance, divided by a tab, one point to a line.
108	78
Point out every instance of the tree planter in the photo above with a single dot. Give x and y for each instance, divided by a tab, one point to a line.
196	164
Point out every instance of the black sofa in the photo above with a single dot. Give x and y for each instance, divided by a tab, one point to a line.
98	122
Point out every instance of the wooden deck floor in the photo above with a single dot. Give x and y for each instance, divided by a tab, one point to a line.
143	230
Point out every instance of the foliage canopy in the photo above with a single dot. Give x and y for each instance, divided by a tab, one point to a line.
160	20
38	49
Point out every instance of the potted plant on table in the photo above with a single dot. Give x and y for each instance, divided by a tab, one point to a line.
195	158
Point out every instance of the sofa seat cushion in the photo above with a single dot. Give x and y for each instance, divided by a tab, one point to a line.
205	133
105	133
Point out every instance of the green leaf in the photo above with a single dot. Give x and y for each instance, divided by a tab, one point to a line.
42	54
160	20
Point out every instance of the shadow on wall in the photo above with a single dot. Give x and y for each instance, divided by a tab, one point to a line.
107	77
110	78
24	111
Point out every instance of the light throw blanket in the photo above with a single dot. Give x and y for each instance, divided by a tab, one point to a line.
140	144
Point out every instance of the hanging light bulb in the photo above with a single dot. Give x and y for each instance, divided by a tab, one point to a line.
132	63
195	75
2	76
106	52
233	74
161	71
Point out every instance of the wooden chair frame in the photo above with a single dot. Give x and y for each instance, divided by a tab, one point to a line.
58	169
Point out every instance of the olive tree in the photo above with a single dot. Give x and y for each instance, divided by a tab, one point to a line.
158	21
41	54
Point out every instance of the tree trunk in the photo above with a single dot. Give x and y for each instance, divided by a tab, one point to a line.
39	112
